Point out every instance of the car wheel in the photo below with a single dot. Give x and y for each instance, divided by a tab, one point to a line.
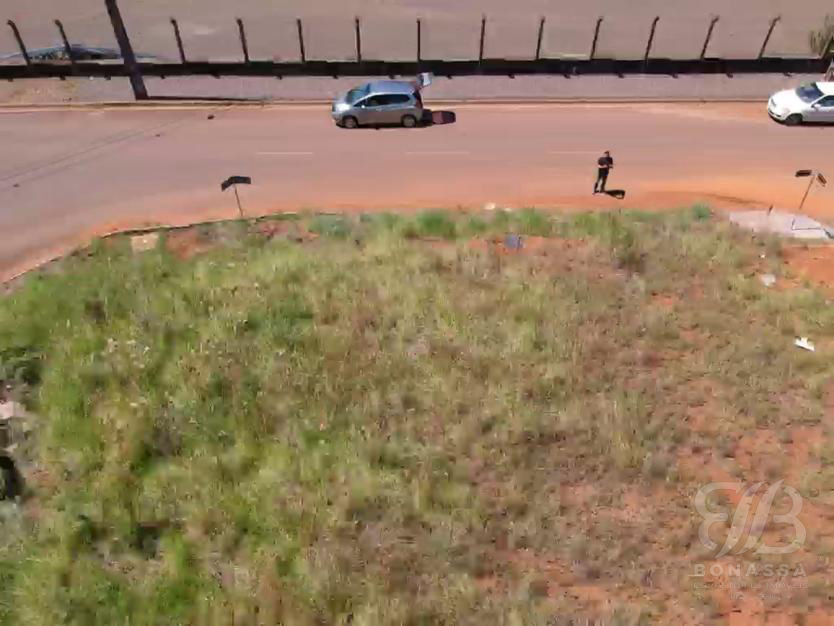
793	120
409	121
350	122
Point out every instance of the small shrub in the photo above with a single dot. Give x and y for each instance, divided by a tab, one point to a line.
701	212
335	226
436	224
475	226
535	223
381	221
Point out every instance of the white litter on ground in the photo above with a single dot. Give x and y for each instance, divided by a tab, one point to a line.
782	223
143	243
803	343
768	280
8	410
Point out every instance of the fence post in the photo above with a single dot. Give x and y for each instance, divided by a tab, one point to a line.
358	29
301	40
129	59
596	38
67	46
712	24
179	40
769	33
242	30
651	39
419	40
20	43
829	47
483	36
539	40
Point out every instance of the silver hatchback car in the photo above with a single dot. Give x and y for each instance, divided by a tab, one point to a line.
380	102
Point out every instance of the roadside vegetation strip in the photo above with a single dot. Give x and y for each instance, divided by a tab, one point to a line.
391	419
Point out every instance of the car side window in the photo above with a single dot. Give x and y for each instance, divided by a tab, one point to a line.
827	102
400	98
390	99
384	100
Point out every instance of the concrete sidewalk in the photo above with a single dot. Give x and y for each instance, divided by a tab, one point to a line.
462	89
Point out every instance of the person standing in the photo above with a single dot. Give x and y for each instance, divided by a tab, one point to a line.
606	164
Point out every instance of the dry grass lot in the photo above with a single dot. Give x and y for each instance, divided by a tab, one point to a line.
399	420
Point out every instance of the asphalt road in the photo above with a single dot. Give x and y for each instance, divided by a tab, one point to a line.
473	89
65	176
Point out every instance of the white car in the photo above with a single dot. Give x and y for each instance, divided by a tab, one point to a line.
809	103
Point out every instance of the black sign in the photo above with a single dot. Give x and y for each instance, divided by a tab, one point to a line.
235	180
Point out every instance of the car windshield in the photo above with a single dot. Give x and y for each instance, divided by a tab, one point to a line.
354	94
809	93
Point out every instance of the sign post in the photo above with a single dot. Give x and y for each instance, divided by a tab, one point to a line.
814	176
234	181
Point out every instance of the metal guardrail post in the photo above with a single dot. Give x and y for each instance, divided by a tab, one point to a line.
301	40
67	46
20	43
419	40
483	36
358	31
712	24
243	44
596	38
769	33
137	83
178	37
651	39
539	40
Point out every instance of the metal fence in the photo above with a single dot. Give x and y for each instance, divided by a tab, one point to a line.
482	47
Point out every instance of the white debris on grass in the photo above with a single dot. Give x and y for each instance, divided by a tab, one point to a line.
8	410
805	344
768	280
143	243
492	206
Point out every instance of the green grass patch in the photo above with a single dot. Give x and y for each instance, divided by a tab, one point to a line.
435	224
338	226
381	434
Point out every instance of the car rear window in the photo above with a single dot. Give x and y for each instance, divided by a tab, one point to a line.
809	93
354	94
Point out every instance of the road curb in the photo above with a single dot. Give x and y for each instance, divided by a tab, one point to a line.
214	104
